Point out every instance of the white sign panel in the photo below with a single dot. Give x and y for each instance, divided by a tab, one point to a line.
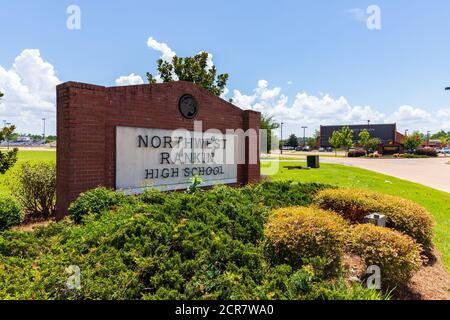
168	159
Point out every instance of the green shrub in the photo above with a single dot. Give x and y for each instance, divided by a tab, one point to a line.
397	255
7	160
34	186
152	196
429	152
95	202
296	234
401	214
356	153
159	246
10	213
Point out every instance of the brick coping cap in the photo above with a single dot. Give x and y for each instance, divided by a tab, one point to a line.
87	86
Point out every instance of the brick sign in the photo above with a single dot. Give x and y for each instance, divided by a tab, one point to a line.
135	137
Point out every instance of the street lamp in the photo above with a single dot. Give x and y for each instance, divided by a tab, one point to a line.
406	132
304	136
43	136
281	145
368	122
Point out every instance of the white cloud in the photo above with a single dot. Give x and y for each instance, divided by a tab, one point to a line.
166	53
132	79
30	93
314	111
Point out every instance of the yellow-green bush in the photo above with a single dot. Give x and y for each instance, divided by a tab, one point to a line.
401	214
396	254
296	234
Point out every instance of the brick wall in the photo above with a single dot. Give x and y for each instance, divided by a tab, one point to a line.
87	116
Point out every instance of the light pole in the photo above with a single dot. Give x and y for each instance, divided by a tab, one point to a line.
43	136
281	145
368	122
304	136
406	132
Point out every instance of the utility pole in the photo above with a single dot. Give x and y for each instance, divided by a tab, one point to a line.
304	136
281	146
43	136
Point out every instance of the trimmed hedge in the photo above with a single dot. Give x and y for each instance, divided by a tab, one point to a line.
298	233
397	255
356	153
401	214
10	213
430	152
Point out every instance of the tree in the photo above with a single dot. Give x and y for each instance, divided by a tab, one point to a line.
444	142
335	141
437	136
367	142
342	139
292	141
7	159
413	141
1	94
312	142
193	69
372	144
268	124
346	138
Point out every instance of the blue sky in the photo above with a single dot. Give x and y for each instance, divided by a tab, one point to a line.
309	54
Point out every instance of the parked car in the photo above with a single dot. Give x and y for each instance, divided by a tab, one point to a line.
445	150
306	148
321	149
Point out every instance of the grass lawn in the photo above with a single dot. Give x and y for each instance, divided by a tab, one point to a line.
437	202
23	156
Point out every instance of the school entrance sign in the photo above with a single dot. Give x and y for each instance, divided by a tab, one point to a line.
150	136
167	159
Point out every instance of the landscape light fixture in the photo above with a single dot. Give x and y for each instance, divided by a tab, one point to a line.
304	136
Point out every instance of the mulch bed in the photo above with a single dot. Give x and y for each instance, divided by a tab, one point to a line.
431	282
